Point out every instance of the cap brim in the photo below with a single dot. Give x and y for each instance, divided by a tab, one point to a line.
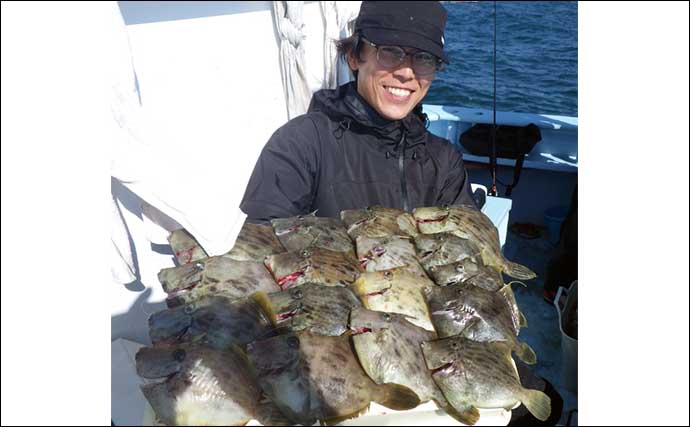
383	36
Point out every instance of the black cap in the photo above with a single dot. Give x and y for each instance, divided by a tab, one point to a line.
416	24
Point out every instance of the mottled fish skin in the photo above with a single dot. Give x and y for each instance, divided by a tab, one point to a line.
479	315
444	248
309	231
226	277
377	221
396	291
216	321
181	277
469	223
254	243
470	271
321	310
480	375
323	266
388	348
205	386
385	253
312	377
185	247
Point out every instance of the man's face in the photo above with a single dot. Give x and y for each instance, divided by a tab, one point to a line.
393	93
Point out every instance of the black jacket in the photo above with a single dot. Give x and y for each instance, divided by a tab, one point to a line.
343	155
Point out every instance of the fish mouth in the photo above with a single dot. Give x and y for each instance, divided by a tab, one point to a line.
288	230
436	219
443	369
360	330
281	317
377	293
176	293
286	282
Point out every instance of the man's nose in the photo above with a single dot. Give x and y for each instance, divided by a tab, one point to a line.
404	70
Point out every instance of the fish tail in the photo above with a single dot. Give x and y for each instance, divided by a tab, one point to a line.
397	397
526	354
518	271
537	403
261	298
468	415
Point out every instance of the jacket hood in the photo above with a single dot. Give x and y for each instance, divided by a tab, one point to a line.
346	106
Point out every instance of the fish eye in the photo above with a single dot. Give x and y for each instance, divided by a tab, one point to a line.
387	317
297	294
300	218
293	342
459	267
458	291
179	355
454	344
305	253
432	269
188	309
387	274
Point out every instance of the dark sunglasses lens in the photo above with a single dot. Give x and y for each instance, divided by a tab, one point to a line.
424	63
390	56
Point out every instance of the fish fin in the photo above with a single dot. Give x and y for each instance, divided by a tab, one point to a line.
338	420
523	320
397	397
518	271
526	354
468	415
268	414
262	299
516	316
537	403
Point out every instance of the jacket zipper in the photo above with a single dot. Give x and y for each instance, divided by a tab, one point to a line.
401	166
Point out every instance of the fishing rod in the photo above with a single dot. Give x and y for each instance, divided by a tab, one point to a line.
493	191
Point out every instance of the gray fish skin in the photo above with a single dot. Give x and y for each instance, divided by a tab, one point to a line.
185	247
312	377
477	314
205	386
479	375
307	231
385	253
388	348
377	221
226	277
254	243
469	223
216	321
323	266
444	248
185	276
467	271
321	310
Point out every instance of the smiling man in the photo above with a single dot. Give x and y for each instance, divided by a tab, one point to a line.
365	143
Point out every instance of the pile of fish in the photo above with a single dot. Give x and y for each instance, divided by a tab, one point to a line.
312	319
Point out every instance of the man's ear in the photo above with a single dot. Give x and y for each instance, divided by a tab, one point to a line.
352	61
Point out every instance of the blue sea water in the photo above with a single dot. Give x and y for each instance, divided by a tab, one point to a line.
536	57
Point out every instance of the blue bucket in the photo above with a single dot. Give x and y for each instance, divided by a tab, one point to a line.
553	219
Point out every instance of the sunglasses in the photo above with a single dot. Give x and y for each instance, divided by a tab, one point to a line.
423	63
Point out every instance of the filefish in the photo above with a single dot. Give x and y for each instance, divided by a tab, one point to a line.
469	223
185	247
321	310
323	266
216	321
467	271
215	276
385	253
377	221
443	249
204	386
255	242
309	231
476	375
313	377
389	349
479	315
396	291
